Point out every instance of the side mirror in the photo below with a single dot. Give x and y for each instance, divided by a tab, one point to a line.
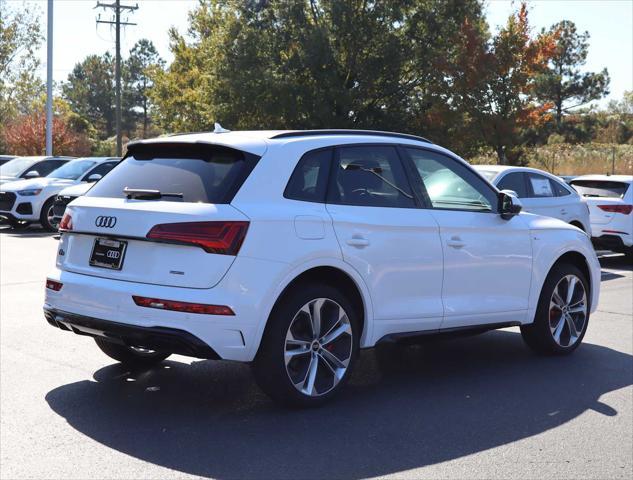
509	205
95	177
32	174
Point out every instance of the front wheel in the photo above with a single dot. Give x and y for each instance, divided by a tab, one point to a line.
47	217
130	356
309	347
562	314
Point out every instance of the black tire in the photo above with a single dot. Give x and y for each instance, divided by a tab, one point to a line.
129	356
538	335
46	224
269	367
18	224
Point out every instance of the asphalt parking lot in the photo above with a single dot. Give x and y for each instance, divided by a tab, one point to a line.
481	407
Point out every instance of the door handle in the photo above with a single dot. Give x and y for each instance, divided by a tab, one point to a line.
357	241
455	242
563	211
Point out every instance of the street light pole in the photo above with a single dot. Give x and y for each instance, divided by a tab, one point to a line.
49	80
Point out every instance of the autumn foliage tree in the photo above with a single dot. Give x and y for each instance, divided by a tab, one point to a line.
27	135
493	81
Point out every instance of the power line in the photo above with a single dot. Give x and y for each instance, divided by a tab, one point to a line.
116	21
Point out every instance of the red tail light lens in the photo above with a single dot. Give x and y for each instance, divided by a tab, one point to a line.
66	223
182	306
53	285
224	238
625	209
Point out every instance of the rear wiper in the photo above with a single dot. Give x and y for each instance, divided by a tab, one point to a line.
148	194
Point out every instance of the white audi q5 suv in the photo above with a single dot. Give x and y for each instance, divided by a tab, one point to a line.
294	249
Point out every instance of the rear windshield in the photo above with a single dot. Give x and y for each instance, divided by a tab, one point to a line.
600	188
213	177
488	174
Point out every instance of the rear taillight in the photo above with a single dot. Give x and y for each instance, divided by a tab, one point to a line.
224	238
53	285
625	209
66	223
186	307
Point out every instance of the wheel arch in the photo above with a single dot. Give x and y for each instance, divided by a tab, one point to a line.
578	260
578	224
332	272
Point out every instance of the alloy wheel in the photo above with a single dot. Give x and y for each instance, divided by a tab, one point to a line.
318	347
568	311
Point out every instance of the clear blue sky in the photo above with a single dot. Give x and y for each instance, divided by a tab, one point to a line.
609	22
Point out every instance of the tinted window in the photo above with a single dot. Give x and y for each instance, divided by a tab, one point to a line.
45	167
600	188
559	189
540	186
370	176
309	179
101	169
212	177
451	185
514	181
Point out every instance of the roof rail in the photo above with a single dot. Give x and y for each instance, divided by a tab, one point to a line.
308	133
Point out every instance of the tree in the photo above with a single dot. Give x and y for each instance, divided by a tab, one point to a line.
562	83
26	135
89	91
493	79
20	38
308	64
143	58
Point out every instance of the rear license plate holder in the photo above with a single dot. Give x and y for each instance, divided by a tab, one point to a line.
108	253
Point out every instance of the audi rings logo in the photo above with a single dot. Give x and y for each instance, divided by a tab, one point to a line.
105	222
113	254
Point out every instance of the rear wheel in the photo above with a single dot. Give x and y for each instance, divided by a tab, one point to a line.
309	347
47	216
130	356
562	313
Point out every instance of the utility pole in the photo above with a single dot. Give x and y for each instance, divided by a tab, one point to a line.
116	21
49	80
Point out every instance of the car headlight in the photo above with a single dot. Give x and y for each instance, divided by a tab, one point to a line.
30	193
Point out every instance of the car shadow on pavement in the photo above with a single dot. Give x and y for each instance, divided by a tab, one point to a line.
405	407
616	262
30	231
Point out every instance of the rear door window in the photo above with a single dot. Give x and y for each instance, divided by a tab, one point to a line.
188	174
514	181
540	186
369	176
600	188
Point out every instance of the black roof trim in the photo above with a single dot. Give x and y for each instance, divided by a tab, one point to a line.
308	133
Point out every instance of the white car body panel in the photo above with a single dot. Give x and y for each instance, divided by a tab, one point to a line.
409	278
611	223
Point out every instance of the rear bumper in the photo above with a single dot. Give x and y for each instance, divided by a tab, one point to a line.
246	289
154	338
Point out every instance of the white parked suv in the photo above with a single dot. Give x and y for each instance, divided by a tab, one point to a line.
610	201
26	201
540	193
294	249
